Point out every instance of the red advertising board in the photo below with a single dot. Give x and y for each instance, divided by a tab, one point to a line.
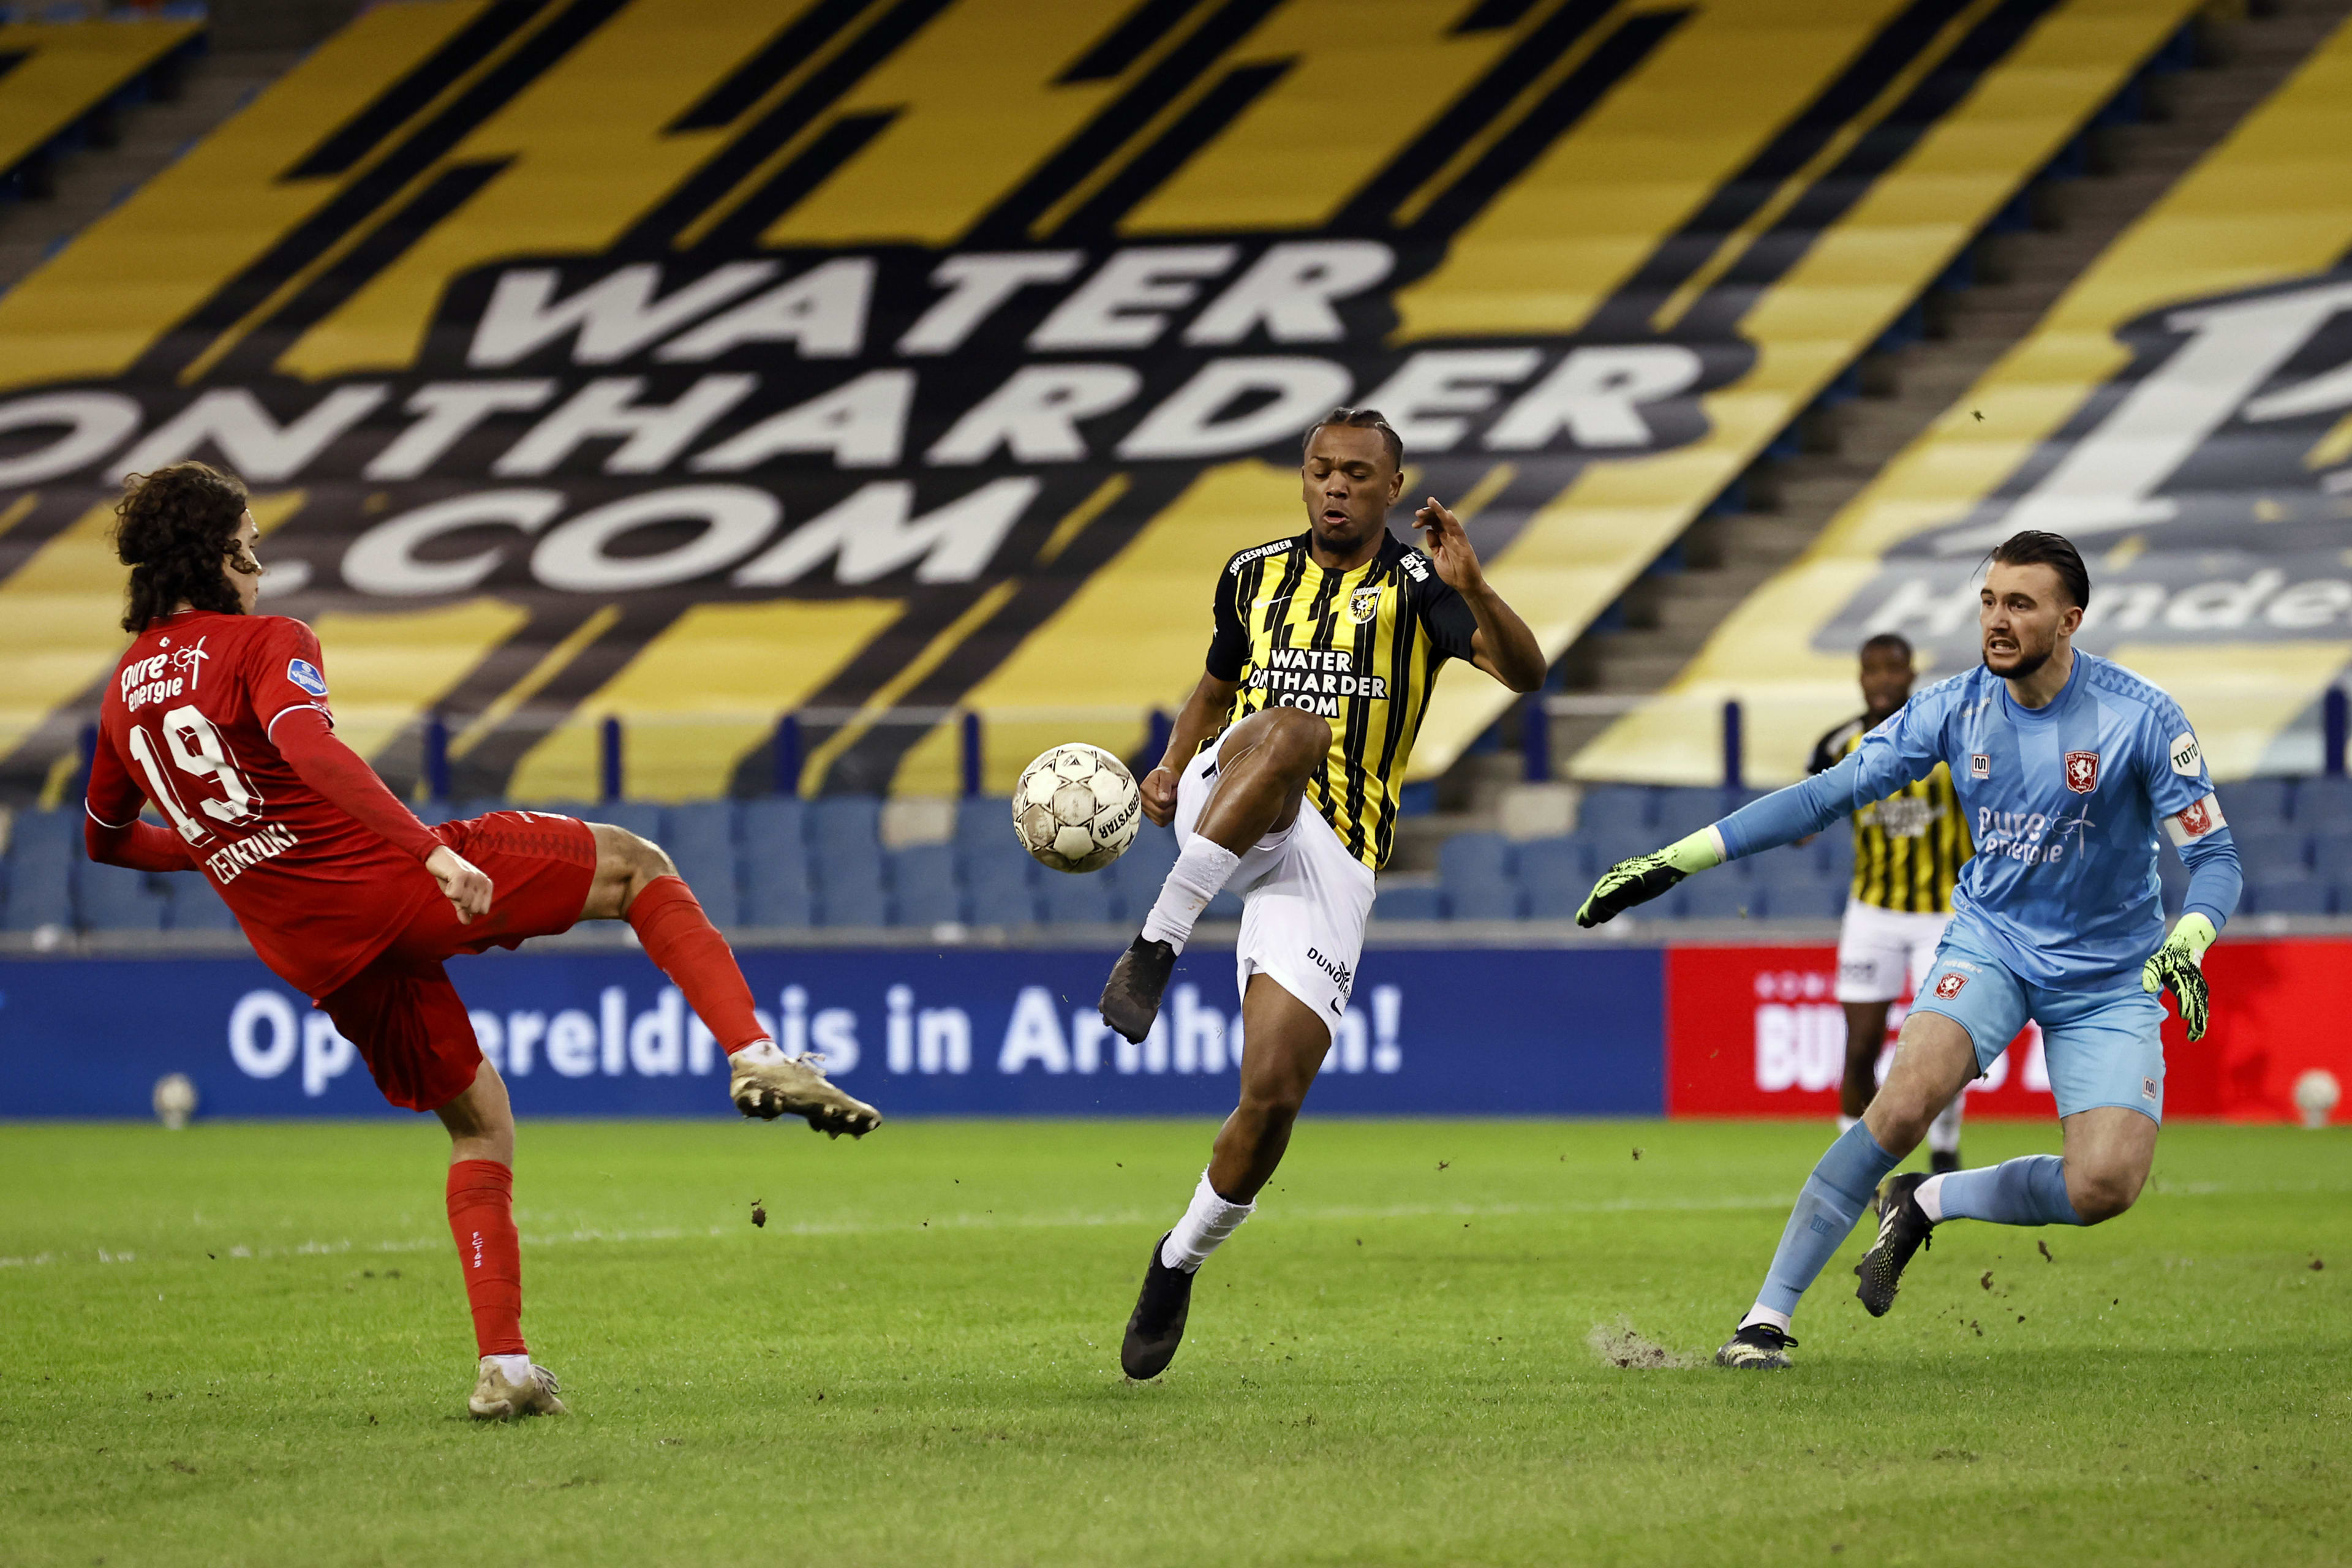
1757	1031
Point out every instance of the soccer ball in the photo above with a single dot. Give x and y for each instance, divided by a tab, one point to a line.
175	1100
1077	809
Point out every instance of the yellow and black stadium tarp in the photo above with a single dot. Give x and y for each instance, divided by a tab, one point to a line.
54	75
2184	414
693	361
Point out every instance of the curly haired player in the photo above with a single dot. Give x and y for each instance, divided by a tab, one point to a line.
218	717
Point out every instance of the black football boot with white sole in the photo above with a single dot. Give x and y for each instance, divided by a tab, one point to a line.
1903	1229
1157	1326
1758	1347
1130	998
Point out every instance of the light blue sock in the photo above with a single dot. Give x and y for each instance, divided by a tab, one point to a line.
1834	1197
2032	1190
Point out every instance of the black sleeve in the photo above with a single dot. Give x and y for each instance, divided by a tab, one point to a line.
1823	758
1229	645
1446	618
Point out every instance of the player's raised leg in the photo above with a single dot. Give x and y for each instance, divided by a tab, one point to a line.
1286	1045
1932	1063
1255	788
635	881
481	1221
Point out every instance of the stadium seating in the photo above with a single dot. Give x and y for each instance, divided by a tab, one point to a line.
785	863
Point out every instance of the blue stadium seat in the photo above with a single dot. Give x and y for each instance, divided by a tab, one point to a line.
2321	805
923	886
1819	900
700	837
2261	806
843	819
1487	901
196	905
1413	901
2331	852
1469	857
985	822
114	897
1000	887
1790	864
434	813
846	860
1615	814
1680	812
2304	896
1716	897
1225	906
2272	858
43	846
1079	899
1555	874
774	864
1139	873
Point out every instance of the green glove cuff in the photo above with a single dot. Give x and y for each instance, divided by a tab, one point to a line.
2196	934
1698	853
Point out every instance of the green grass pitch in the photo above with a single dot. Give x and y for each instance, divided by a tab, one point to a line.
247	1344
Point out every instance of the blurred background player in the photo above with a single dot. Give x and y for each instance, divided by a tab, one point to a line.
2074	767
1907	852
218	717
1326	646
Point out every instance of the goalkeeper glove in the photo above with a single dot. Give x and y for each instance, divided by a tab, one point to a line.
1646	876
2179	965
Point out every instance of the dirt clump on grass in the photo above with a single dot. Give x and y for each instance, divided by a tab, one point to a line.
1622	1344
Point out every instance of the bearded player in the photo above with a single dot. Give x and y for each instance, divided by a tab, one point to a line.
1907	852
218	717
1325	649
2069	768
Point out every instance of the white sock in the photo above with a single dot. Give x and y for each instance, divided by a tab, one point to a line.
1929	1195
1845	1123
1762	1314
1944	1132
515	1369
1200	871
1206	1224
757	1051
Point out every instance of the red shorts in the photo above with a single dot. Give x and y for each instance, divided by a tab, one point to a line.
401	1011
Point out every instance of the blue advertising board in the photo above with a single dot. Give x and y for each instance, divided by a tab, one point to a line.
957	1031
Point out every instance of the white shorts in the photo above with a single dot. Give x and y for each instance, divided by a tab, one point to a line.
1879	949
1303	901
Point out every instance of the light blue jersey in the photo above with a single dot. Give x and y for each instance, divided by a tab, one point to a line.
2065	803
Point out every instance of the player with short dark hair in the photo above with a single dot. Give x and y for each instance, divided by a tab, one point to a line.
1907	852
218	717
2069	767
1320	666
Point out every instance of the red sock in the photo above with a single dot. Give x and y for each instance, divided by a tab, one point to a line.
481	1218
682	943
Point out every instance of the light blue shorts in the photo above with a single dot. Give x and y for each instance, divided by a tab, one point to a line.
2102	1040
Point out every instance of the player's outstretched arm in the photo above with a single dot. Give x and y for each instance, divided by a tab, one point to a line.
1504	647
1646	876
307	739
1198	720
112	798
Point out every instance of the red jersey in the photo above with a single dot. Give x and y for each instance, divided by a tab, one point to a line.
186	723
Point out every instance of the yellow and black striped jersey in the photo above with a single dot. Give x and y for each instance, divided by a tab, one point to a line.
1907	849
1360	648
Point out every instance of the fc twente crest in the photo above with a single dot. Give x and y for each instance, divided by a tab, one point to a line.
2082	772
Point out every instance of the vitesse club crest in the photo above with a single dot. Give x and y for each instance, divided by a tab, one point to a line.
1364	607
